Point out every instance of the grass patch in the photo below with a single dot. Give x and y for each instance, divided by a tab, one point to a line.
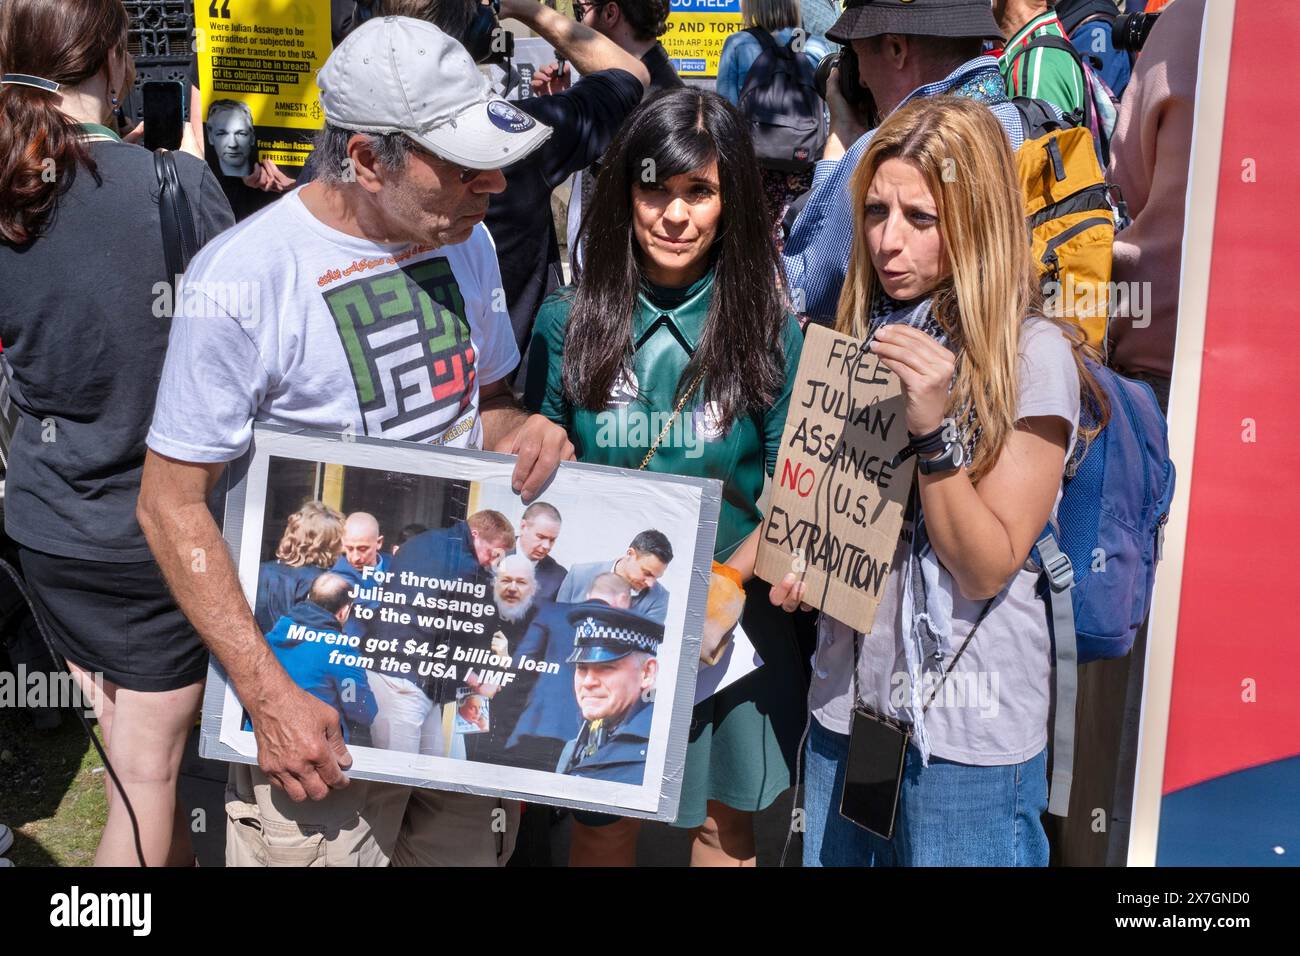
50	794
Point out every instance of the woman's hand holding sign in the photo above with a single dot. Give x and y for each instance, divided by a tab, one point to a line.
788	595
925	369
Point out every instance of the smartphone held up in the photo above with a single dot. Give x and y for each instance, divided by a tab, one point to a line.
164	113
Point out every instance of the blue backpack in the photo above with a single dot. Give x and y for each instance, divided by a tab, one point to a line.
1099	561
1090	26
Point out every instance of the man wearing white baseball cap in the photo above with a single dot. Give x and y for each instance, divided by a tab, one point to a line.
370	304
399	75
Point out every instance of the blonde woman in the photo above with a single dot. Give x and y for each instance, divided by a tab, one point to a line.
311	543
941	281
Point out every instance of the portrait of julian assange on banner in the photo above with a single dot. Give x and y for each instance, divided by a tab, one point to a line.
257	63
838	500
469	641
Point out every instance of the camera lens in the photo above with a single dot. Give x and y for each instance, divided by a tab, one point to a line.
823	74
1130	30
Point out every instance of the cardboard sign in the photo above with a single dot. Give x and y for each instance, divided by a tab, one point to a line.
837	504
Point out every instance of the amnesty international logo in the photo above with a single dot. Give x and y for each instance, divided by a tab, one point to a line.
409	349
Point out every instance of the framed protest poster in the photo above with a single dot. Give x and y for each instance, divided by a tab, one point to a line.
837	502
257	63
469	642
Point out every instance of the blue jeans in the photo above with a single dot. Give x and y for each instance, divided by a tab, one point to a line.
949	814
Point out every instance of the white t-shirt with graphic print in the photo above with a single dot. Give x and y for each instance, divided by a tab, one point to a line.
283	319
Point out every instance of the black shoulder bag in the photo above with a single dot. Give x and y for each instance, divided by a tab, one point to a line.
179	237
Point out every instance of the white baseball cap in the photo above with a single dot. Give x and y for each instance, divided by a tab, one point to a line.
401	75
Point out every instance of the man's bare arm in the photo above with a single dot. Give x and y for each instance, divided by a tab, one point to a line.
300	743
583	46
539	443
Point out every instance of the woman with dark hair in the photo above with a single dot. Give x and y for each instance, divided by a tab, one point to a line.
84	324
678	313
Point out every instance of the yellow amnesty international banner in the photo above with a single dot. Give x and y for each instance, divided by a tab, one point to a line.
257	71
696	31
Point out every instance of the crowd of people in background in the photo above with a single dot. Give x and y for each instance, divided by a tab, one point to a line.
693	262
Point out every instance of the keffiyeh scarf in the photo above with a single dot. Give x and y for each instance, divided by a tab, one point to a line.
927	601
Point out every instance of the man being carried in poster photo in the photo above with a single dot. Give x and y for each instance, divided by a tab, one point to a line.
514	592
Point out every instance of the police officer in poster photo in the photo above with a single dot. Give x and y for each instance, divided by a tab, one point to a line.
616	653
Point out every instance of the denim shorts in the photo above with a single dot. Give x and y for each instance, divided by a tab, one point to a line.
949	814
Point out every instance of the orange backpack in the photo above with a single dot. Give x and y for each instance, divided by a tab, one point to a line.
1070	217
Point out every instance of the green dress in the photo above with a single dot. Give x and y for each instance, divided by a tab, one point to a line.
744	739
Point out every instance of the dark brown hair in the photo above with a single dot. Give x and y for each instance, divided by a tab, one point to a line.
741	349
68	42
647	18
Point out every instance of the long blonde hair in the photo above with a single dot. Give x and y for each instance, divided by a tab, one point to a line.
965	158
313	535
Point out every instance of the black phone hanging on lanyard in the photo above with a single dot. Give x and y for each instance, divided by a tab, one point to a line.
873	772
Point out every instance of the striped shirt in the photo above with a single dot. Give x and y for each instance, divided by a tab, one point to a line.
816	254
1051	75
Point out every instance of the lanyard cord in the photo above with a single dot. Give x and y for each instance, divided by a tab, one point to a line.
857	638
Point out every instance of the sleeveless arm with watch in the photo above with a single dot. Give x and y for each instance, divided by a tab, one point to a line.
934	453
981	533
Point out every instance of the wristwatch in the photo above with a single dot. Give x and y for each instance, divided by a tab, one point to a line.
953	457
